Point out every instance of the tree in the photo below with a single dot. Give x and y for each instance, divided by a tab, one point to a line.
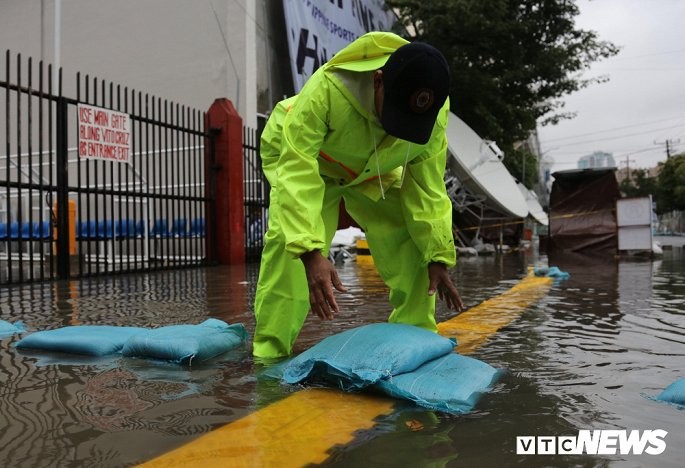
639	184
511	60
671	188
522	164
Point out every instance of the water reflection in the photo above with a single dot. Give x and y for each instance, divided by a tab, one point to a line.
581	358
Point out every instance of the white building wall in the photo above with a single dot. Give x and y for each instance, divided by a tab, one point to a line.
187	51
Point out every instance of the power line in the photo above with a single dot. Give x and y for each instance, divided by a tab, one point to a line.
669	146
616	137
613	129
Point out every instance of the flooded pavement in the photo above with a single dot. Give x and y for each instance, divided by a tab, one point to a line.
587	356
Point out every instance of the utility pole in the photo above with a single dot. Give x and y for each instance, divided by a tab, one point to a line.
669	146
627	162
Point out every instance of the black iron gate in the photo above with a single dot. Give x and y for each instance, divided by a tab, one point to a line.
256	194
70	210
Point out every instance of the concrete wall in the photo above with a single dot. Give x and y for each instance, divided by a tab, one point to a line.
187	51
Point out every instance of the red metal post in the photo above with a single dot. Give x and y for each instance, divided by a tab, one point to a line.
226	222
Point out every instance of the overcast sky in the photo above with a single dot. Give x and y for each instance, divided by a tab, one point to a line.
643	104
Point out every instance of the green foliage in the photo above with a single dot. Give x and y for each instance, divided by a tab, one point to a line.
523	166
671	185
639	184
511	60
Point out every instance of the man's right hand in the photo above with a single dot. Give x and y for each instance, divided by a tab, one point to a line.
321	275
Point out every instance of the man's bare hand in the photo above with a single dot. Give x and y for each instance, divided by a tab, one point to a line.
322	277
439	279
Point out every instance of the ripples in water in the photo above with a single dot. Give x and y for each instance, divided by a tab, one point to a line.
583	357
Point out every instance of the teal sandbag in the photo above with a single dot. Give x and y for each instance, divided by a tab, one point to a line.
451	383
89	340
674	393
7	328
362	356
184	344
552	272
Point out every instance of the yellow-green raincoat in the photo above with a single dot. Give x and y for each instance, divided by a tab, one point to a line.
325	144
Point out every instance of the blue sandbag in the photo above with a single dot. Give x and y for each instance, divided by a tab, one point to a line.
90	340
451	383
362	356
184	344
7	328
552	272
674	393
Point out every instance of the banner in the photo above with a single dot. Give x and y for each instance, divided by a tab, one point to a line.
317	29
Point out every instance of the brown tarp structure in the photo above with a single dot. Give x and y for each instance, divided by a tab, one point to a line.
489	225
583	211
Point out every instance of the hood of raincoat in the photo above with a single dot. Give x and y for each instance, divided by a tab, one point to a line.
368	53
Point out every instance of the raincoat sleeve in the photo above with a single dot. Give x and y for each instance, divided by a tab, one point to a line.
300	188
426	207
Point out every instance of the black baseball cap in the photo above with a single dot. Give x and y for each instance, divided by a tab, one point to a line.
416	82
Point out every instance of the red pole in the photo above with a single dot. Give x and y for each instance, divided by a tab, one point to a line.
226	223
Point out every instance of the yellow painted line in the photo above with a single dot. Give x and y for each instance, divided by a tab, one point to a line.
295	431
473	327
301	429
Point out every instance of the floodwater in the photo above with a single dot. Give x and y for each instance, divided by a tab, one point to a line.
588	356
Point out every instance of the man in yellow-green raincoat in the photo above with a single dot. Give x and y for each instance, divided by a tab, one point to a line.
368	127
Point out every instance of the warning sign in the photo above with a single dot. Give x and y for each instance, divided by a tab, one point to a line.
103	134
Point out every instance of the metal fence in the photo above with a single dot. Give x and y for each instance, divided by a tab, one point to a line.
67	212
671	224
256	194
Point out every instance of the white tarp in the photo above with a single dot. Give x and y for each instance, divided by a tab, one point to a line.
317	29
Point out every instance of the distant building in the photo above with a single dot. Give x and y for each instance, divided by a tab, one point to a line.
625	172
597	160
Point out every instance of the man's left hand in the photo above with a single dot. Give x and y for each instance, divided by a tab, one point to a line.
439	280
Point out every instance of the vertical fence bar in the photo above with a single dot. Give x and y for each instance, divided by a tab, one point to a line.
127	236
165	160
41	235
121	232
29	172
96	176
81	220
198	190
154	171
51	176
188	181
148	176
62	188
158	241
8	165
173	179
20	205
113	260
137	199
91	233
